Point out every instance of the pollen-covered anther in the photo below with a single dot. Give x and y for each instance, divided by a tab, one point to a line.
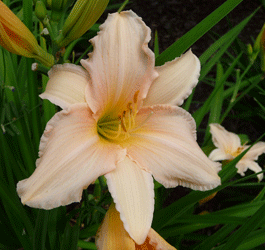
238	151
135	97
123	122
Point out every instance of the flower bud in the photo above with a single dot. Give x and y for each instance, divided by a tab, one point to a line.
40	10
16	38
249	49
58	7
83	15
258	41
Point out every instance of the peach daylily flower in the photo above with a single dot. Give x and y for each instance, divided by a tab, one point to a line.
111	235
118	120
229	147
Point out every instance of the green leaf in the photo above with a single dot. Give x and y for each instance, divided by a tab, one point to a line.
40	231
253	240
70	237
156	45
240	235
182	44
214	239
202	111
87	245
242	210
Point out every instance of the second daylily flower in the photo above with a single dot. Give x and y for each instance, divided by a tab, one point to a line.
229	147
112	236
118	120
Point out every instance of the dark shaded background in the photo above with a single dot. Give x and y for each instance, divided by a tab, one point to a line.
173	18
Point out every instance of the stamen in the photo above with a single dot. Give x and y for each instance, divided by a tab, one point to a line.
119	129
238	151
123	125
130	120
135	100
135	97
129	106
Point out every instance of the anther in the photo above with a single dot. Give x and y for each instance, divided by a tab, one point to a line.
123	126
129	106
135	97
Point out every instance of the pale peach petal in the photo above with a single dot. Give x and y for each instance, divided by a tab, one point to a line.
66	85
175	81
224	140
132	190
255	151
157	241
120	65
219	155
72	156
243	165
165	145
111	235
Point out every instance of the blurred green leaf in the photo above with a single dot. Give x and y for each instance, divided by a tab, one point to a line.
250	225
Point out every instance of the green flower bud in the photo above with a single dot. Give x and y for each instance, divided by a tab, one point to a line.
40	10
257	43
249	49
58	7
82	17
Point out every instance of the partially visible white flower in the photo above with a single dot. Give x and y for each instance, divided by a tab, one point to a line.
229	147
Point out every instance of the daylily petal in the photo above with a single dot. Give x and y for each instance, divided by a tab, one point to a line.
132	190
255	151
120	65
224	140
111	235
66	85
175	81
219	155
243	165
165	145
70	159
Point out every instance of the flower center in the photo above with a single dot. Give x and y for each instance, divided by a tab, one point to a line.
238	151
118	129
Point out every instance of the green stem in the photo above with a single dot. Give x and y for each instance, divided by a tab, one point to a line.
123	6
32	80
48	107
33	103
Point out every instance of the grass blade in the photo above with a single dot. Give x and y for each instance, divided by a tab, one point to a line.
182	44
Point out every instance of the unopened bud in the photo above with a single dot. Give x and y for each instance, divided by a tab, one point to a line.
17	38
40	10
82	17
